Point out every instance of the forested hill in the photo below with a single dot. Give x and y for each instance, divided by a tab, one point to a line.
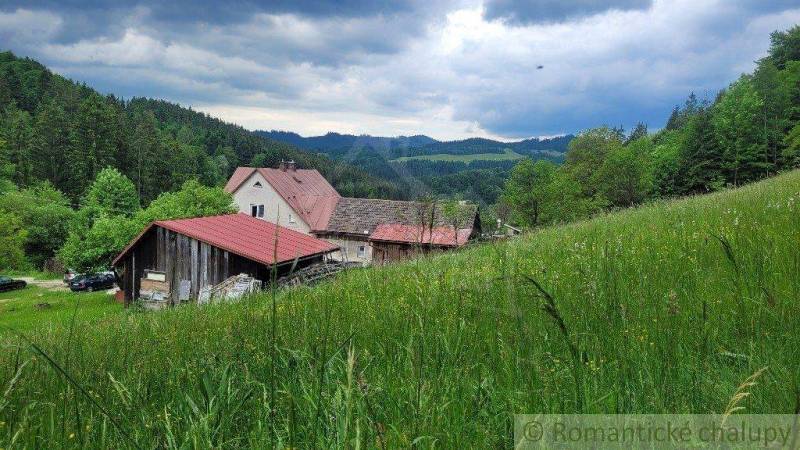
52	128
529	147
336	144
333	142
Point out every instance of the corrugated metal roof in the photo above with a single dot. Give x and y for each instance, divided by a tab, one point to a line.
305	190
413	234
245	236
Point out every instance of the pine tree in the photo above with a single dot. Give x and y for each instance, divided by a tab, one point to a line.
638	132
700	160
51	142
674	121
18	137
92	143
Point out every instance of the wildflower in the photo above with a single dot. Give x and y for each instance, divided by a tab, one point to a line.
672	303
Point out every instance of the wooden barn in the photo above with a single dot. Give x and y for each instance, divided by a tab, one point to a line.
397	242
187	255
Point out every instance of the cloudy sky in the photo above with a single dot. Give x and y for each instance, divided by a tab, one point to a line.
445	68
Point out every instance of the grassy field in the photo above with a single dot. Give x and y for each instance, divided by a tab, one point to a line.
35	308
507	155
666	308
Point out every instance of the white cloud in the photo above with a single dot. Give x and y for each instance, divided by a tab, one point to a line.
448	73
22	27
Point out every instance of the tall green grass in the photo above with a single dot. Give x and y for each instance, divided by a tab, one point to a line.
666	308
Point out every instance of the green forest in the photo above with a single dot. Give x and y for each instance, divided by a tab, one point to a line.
60	141
750	131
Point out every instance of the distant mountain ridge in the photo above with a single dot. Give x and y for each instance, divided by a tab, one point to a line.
471	146
336	144
332	141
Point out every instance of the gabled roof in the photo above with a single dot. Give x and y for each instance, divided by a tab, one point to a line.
363	215
305	190
245	236
413	234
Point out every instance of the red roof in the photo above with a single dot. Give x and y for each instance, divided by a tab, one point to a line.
443	236
245	236
305	190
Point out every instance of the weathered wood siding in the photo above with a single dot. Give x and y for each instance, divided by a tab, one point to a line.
387	252
183	259
188	261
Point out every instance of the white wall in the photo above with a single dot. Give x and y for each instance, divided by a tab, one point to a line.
349	250
276	210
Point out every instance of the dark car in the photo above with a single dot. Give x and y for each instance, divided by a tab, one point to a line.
8	284
92	282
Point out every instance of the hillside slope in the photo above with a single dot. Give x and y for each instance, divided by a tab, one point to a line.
54	129
669	307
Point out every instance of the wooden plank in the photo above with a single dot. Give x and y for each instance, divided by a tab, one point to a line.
169	261
195	275
204	255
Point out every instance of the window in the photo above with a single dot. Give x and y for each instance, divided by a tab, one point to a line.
291	218
257	210
258	185
362	251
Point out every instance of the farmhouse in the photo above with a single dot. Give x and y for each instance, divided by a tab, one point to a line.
187	255
366	230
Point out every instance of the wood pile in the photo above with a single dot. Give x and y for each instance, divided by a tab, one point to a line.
233	288
315	273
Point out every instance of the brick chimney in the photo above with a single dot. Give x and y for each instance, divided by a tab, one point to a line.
282	166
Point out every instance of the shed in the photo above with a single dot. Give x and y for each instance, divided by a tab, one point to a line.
190	254
396	242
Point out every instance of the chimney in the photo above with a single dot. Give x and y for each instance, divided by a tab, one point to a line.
291	166
282	166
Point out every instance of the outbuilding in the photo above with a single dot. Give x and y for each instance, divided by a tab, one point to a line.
186	255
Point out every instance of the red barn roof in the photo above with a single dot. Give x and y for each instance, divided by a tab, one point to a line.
411	234
245	236
305	190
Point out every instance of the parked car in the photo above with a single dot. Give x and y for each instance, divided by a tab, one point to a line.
92	282
9	284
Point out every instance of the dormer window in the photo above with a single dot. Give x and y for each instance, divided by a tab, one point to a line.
258	185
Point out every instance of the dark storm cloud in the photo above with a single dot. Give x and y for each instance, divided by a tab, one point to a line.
88	19
546	11
446	67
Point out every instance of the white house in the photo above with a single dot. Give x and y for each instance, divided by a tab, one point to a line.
299	199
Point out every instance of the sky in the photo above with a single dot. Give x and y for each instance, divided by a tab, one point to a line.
449	69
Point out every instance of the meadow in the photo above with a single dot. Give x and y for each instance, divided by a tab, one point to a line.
35	307
507	155
667	308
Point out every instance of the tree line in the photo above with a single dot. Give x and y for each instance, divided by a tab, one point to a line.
749	131
58	139
56	130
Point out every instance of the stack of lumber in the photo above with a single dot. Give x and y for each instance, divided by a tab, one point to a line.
233	288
